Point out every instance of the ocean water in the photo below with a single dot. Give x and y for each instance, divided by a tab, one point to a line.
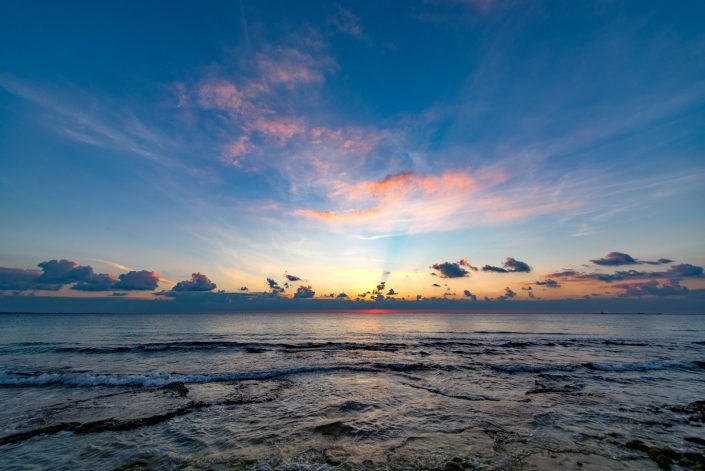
350	391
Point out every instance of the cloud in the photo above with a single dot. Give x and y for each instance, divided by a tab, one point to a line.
236	150
19	279
292	277
514	265
614	259
436	285
225	95
452	269
332	216
468	294
403	202
549	283
660	261
684	270
346	22
652	288
274	286
342	296
278	130
391	292
198	282
304	292
408	202
103	125
679	271
96	282
464	263
511	265
508	294
143	280
292	67
620	258
57	273
63	272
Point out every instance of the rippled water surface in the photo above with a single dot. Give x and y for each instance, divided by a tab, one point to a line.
319	391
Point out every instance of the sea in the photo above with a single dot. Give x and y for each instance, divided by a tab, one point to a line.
355	390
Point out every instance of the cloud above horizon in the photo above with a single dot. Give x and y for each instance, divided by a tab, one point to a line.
619	258
55	274
510	265
198	282
453	269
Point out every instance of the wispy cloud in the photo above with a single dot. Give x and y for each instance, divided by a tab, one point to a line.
100	125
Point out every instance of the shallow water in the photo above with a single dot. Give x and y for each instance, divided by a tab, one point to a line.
298	391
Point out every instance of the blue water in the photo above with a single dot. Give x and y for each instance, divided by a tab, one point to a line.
319	391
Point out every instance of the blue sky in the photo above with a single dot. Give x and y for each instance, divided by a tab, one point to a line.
353	143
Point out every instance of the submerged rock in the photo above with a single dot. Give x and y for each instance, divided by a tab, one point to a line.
354	406
695	411
334	429
177	387
696	440
666	457
456	464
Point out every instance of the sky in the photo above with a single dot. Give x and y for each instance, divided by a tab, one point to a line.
477	153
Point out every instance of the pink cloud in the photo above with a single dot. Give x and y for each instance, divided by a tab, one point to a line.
404	185
349	140
220	95
279	130
292	67
235	151
408	202
360	215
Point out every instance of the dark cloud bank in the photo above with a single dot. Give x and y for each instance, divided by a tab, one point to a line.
189	302
55	274
641	291
614	259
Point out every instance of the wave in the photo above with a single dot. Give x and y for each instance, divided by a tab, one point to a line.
608	367
646	365
158	379
302	347
252	347
513	332
529	368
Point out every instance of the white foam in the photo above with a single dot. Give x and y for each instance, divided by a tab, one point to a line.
154	379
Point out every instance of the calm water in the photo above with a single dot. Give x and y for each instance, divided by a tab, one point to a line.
319	391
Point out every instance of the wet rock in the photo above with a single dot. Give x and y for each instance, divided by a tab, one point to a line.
694	410
137	464
696	440
456	464
354	406
105	425
334	429
548	384
177	387
18	437
666	457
